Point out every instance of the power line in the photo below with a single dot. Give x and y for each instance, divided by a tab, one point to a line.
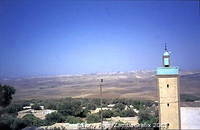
101	84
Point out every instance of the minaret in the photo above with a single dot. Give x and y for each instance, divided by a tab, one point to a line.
169	94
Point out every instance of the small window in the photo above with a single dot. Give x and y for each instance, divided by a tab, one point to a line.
168	104
167	85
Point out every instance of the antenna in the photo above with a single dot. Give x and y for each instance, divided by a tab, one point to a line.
165	46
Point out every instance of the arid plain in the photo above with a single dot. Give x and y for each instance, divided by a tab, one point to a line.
134	84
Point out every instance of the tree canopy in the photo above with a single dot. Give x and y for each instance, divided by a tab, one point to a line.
6	93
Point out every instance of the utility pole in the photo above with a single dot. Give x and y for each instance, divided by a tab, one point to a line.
101	84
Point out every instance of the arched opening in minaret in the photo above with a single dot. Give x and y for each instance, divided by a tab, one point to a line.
167	124
167	85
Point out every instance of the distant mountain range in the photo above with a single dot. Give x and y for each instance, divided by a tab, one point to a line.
134	84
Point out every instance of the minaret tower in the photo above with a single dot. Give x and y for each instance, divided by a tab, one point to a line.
169	94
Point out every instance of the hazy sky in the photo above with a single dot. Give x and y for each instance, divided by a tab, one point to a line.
50	37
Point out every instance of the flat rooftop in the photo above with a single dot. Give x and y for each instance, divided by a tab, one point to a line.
190	118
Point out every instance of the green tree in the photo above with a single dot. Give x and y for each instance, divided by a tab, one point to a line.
91	106
116	112
18	124
6	122
31	120
93	118
128	113
83	113
73	120
107	113
55	117
6	93
36	107
146	118
13	108
51	104
70	108
119	106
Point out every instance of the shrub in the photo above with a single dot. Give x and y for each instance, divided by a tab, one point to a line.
73	120
18	124
119	106
91	106
83	113
55	117
188	98
93	118
128	113
36	107
138	105
70	108
6	122
107	113
146	118
116	112
13	108
31	120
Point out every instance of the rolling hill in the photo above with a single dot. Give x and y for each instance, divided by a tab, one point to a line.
134	84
